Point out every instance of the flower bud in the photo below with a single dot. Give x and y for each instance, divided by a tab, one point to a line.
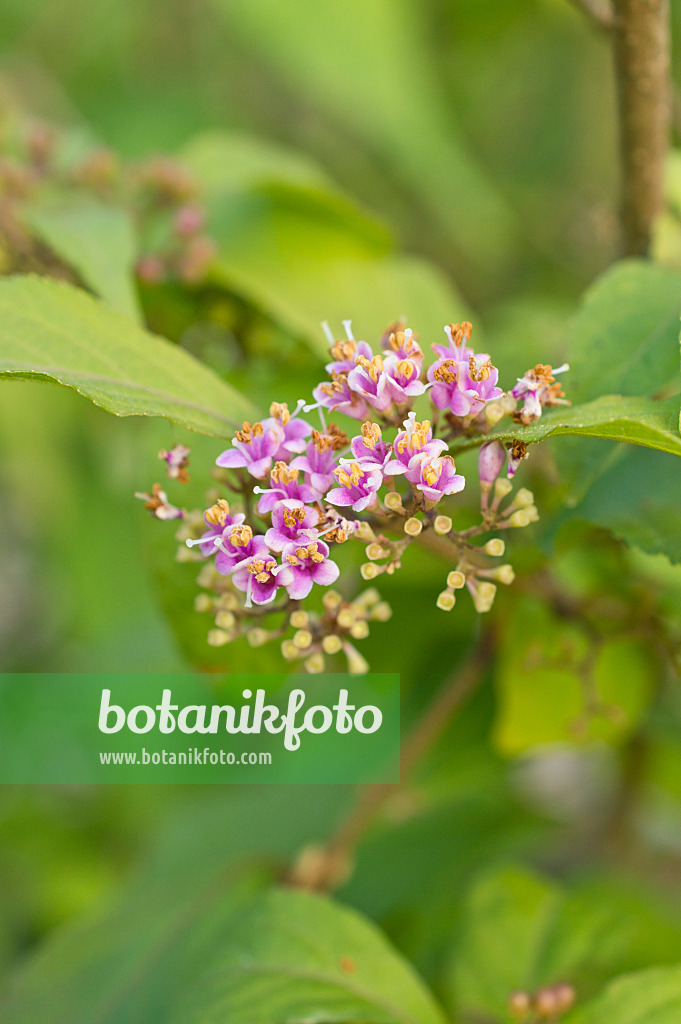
364	532
369	571
495	547
523	498
446	601
302	639
442	525
566	995
203	603
257	636
331	600
519	1005
502	488
367	598
456	579
225	619
289	650
357	665
491	461
374	552
359	630
505	574
483	597
520	518
218	637
207	575
299	619
532	513
393	501
546	1003
382	612
228	602
345	618
332	643
315	663
413	527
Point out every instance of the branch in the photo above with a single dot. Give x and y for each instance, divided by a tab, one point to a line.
641	40
324	868
599	12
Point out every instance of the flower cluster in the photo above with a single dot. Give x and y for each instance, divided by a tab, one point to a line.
308	487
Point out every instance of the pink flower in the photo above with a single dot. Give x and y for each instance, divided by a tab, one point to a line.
219	522
456	348
284	480
370	446
538	390
435	476
235	546
305	565
295	430
254	447
337	396
368	380
319	460
400	343
291	522
259	577
358	482
464	388
403	377
415	439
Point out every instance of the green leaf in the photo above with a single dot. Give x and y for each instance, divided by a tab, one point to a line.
94	239
52	331
638	497
292	244
553	687
131	962
625	338
395	109
584	936
299	958
647	997
638	421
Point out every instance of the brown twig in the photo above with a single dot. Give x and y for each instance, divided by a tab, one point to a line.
641	39
599	12
324	868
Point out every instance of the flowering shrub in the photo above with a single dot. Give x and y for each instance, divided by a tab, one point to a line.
309	489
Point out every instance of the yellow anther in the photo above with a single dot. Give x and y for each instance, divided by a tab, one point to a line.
343	350
217	514
279	411
432	472
248	432
371	434
241	536
406	368
372	366
478	373
447	372
283	474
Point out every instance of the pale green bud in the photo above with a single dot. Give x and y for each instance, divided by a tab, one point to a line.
442	525
413	526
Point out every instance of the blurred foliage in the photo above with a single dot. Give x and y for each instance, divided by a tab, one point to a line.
437	160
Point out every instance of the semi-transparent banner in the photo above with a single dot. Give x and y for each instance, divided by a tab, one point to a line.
159	727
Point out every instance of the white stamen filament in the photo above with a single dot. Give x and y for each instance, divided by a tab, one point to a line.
448	332
328	332
300	405
249	592
206	540
561	369
347	324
